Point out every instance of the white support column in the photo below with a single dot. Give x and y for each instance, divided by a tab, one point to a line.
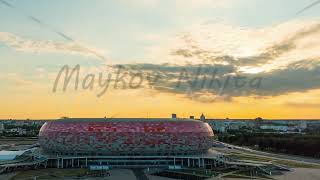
188	162
203	163
72	162
86	162
174	161
62	163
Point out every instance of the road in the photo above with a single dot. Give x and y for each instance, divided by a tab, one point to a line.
248	151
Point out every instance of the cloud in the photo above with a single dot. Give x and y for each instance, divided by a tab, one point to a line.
19	83
299	76
247	47
303	105
37	46
208	83
250	49
181	4
308	7
218	62
199	4
15	79
204	83
211	62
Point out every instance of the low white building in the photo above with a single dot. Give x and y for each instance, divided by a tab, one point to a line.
1	128
274	127
19	131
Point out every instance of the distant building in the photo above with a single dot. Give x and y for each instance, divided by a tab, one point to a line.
218	125
202	117
18	131
235	126
174	116
259	119
1	128
303	125
274	128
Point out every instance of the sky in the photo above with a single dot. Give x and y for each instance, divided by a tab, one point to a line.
151	58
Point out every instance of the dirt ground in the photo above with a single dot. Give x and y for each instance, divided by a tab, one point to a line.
8	143
116	174
301	173
297	174
7	176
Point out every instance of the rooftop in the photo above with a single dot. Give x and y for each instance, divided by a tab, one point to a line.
125	120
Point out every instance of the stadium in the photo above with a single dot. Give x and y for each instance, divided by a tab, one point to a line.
125	136
127	143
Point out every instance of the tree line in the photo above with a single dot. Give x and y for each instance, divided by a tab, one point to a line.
296	144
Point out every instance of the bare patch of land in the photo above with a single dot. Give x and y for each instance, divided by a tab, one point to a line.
53	173
301	173
9	143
